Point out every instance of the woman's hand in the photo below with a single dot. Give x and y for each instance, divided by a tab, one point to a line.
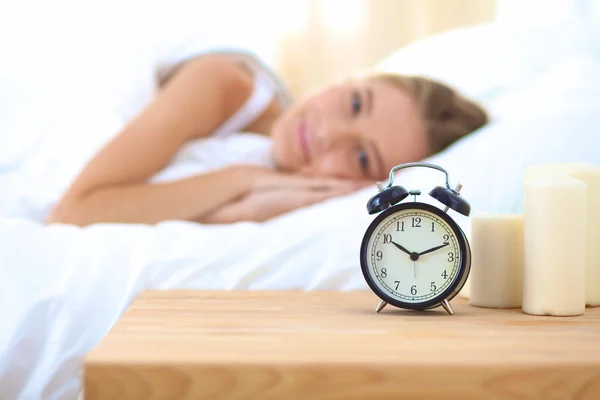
114	187
273	194
264	179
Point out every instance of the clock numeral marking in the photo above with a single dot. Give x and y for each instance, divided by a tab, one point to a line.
379	255
433	227
446	238
450	257
398	225
413	289
445	275
416	222
397	284
433	287
383	273
387	238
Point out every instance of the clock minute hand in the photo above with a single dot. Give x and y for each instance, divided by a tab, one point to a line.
433	249
401	248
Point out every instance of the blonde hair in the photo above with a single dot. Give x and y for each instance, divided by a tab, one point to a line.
447	115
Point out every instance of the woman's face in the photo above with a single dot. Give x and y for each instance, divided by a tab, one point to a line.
357	130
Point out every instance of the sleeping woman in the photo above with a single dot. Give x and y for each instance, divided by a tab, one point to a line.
332	142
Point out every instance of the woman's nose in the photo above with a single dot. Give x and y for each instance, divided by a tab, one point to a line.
332	135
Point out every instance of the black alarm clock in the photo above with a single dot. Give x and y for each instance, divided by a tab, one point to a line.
414	255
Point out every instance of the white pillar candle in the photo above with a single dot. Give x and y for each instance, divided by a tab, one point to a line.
590	175
555	229
497	267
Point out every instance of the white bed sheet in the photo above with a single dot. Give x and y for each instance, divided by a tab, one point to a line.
64	287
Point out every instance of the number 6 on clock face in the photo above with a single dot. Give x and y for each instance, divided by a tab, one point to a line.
415	256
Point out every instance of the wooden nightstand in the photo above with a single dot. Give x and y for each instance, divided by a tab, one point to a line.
332	345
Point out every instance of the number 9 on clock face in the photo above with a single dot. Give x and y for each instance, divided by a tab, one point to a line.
414	256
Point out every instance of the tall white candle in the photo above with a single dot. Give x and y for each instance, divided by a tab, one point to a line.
590	175
497	267
555	230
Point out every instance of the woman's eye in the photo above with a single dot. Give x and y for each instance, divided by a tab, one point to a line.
363	159
356	103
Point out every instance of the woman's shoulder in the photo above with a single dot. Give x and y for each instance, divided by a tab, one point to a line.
255	94
244	69
236	80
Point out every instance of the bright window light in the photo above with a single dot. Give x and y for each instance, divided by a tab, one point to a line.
343	15
287	15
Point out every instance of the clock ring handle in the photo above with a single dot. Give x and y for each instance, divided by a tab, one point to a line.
416	164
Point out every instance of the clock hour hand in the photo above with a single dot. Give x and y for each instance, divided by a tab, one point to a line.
433	249
401	248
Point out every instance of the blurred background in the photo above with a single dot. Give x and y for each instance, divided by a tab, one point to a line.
309	42
312	42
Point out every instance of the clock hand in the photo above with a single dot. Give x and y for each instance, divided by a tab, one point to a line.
415	268
433	249
401	248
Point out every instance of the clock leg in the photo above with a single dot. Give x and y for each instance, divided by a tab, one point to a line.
380	306
447	307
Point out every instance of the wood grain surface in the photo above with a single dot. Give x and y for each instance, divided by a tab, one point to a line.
332	345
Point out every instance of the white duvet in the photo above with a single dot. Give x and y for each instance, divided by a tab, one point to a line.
62	288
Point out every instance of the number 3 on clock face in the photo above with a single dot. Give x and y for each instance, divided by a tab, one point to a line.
415	256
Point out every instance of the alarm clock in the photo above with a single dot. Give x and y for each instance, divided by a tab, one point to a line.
414	255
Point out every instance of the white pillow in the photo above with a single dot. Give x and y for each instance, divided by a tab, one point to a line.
485	61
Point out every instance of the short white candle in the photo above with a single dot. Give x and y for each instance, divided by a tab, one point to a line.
497	267
590	175
555	229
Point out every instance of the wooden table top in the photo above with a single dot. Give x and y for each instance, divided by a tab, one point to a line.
248	344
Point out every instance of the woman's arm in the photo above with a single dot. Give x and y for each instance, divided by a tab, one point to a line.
113	186
262	204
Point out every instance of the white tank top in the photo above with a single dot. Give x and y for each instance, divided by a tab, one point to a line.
262	94
266	87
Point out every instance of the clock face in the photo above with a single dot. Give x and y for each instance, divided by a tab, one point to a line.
413	255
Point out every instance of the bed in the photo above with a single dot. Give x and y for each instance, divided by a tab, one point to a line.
64	287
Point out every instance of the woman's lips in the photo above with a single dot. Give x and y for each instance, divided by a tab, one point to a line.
303	139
